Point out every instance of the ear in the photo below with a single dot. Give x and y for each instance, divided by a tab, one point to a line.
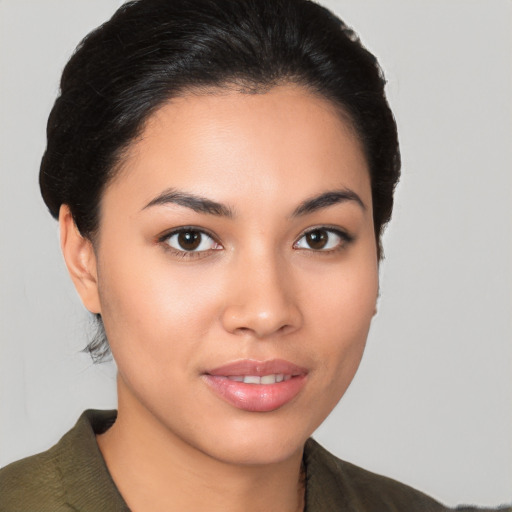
375	309
80	259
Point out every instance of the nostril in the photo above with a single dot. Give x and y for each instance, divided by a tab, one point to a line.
242	330
262	331
285	329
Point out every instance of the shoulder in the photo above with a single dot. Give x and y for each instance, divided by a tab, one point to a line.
333	484
67	475
33	483
340	485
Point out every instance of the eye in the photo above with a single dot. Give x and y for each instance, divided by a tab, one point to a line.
322	239
190	240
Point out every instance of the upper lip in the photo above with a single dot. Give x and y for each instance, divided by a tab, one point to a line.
258	368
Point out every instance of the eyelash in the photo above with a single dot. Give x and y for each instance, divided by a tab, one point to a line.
344	237
164	240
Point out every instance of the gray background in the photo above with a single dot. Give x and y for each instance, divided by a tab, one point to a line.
431	405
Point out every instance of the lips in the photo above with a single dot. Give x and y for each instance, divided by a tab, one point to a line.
257	386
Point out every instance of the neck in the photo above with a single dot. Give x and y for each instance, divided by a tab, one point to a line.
156	470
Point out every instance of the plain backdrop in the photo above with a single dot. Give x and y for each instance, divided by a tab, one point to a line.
432	402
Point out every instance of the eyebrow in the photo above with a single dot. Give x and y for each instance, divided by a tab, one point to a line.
327	199
197	203
203	205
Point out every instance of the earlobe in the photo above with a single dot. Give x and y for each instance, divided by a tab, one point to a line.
80	259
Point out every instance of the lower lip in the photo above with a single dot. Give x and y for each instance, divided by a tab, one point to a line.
256	397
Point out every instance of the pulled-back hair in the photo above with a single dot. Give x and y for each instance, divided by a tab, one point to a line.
154	50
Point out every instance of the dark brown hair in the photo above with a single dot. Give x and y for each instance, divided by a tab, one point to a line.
153	50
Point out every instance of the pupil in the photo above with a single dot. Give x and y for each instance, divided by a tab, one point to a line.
189	240
317	239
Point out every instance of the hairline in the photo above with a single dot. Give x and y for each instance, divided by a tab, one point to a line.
229	86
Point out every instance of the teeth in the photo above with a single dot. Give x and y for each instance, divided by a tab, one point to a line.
265	379
252	379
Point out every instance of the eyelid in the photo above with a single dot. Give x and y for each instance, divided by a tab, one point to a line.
164	237
345	237
169	232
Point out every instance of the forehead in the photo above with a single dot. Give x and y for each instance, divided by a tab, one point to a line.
286	141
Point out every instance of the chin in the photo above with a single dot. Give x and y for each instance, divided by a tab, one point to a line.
262	440
259	452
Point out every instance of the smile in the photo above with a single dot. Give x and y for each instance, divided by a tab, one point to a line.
265	379
257	386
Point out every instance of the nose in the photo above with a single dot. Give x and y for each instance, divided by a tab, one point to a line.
262	302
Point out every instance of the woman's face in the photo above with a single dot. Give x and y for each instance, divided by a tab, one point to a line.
237	271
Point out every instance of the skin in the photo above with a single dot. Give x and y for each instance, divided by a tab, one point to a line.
258	291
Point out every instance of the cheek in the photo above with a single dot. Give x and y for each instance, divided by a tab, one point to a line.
345	298
339	316
342	314
149	307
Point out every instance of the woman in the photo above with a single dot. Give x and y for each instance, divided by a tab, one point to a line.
222	173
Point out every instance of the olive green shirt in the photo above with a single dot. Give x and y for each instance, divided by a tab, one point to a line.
72	476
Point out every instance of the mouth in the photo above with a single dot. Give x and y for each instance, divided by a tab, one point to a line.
257	386
273	378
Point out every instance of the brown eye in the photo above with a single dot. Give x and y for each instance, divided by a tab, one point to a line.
322	239
317	239
191	240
